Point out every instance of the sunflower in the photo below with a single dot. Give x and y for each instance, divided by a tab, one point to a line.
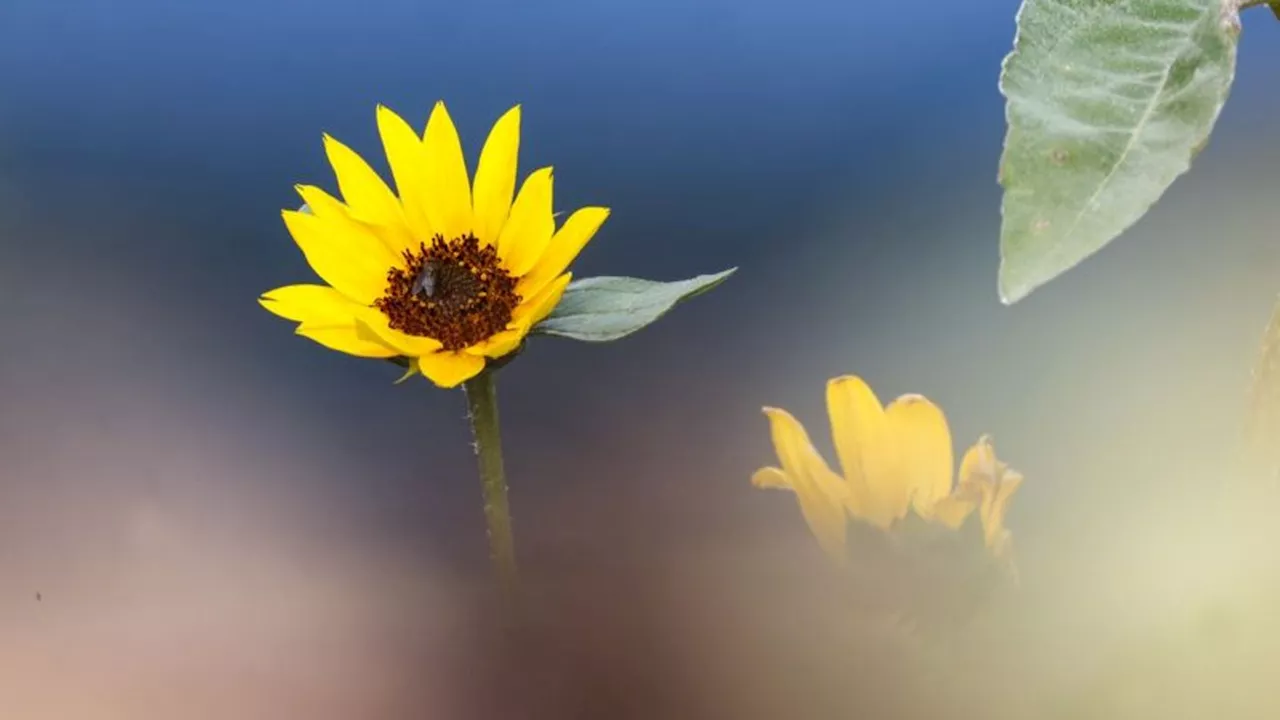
895	459
447	273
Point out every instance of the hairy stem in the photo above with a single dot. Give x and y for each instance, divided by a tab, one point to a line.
482	409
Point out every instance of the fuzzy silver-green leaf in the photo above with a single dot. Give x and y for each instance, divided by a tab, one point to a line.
601	309
1107	102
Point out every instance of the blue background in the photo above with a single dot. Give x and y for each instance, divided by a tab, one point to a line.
157	424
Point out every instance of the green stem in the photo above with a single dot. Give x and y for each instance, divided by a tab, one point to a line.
482	409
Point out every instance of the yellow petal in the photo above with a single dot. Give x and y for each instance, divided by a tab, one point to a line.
408	161
826	521
994	507
527	233
500	344
368	197
771	478
496	176
983	476
322	204
532	312
952	511
326	316
331	210
448	186
319	304
799	459
859	503
1009	484
820	492
529	313
353	261
449	369
345	339
563	248
923	442
977	467
858	432
372	325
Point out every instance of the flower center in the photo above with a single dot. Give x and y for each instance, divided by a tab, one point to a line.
456	292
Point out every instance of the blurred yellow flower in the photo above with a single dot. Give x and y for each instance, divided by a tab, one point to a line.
449	273
989	483
821	493
894	459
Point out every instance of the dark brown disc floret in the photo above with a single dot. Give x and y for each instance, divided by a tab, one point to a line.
454	291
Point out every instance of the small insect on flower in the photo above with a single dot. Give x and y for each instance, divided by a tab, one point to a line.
425	284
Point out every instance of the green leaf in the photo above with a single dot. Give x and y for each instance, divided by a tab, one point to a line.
409	372
601	309
1107	103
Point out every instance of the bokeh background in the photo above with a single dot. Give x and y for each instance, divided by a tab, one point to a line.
224	520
